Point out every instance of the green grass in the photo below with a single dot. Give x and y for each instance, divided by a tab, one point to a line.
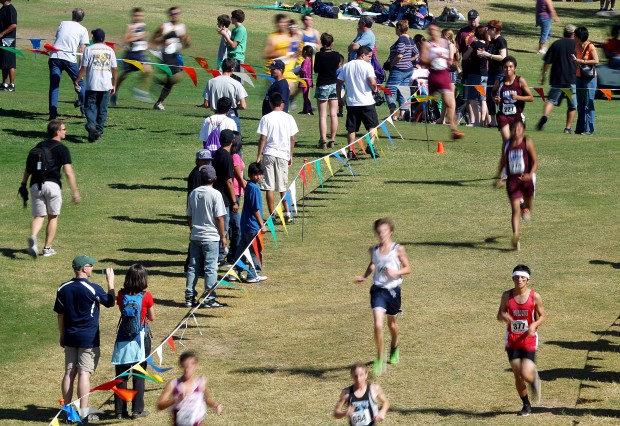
281	355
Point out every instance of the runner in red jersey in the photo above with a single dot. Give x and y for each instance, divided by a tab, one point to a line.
511	94
522	309
520	162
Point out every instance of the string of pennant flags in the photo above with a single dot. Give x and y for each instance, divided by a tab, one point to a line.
367	142
204	64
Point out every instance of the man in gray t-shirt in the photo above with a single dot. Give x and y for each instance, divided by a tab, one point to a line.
99	66
205	217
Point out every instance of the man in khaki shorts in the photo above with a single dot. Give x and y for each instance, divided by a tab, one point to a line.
43	167
277	132
77	305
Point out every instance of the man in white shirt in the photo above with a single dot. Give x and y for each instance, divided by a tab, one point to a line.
71	36
99	66
217	123
226	86
360	80
277	132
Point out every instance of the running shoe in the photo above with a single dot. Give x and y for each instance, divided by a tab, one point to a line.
525	411
11	87
526	215
535	389
231	278
568	131
457	135
394	355
541	123
32	246
140	414
378	366
4	86
47	252
214	304
159	106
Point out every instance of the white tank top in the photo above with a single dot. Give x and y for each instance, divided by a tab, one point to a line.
136	29
171	34
386	261
438	55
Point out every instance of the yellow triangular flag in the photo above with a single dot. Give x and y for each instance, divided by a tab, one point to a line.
281	216
136	64
139	369
568	94
156	377
234	274
329	165
55	422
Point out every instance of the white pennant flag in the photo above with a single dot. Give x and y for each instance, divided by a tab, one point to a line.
248	257
293	190
243	76
158	351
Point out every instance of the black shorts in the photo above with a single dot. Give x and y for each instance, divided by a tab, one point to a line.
357	115
133	56
388	300
172	59
8	59
520	354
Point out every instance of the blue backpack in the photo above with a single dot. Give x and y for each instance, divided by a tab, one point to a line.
129	325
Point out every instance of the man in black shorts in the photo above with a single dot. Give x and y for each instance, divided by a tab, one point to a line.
359	77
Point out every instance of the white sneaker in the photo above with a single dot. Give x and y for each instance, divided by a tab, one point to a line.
47	252
159	106
32	246
262	277
542	51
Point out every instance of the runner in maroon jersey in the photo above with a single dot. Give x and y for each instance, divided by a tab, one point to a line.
511	93
522	309
520	162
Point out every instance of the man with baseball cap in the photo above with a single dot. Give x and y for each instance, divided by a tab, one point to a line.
280	85
77	307
205	217
99	66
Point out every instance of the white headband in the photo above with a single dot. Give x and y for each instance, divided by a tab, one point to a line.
521	274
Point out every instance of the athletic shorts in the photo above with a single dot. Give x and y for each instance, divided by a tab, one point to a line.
520	354
133	56
471	93
85	359
276	174
518	189
556	94
172	59
7	59
47	201
439	81
356	115
325	93
388	300
508	120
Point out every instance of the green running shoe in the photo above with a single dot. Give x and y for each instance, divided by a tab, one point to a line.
394	355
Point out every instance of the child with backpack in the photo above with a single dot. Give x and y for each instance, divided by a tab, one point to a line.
213	126
133	339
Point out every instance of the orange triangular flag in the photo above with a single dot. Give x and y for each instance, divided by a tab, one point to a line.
192	74
125	394
49	47
171	343
261	240
107	385
481	90
249	69
607	93
362	146
203	63
255	247
302	174
214	73
309	172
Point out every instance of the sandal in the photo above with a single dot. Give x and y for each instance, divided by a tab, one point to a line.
321	144
330	144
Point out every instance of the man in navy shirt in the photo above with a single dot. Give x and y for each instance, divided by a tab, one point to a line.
280	85
77	305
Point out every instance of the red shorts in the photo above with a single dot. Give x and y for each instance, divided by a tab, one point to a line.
517	188
521	341
439	81
507	120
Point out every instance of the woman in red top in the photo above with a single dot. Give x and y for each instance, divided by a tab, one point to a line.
522	309
520	162
136	282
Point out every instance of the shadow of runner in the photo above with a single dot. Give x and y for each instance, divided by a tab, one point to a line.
317	373
29	413
615	265
141	186
479	245
447	412
175	220
439	182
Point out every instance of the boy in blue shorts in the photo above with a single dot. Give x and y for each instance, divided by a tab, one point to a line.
388	263
251	223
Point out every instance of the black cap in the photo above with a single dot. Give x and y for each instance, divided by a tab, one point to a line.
472	14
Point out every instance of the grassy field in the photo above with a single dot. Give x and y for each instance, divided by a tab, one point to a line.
280	355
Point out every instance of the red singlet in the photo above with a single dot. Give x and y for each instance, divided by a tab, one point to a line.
522	316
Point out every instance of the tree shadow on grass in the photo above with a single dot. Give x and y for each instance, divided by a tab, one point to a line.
588	373
439	182
140	186
37	135
578	412
615	265
26	115
600	345
174	178
29	413
447	412
11	252
173	220
153	251
480	245
317	373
